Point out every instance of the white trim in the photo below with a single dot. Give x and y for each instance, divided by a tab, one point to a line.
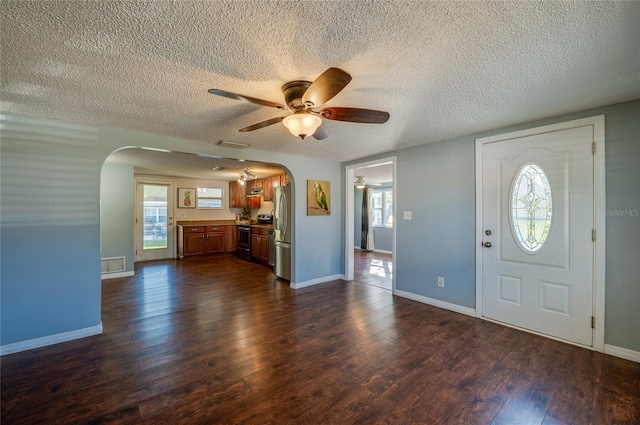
116	275
382	251
349	211
597	122
172	250
623	353
600	224
436	303
30	344
298	285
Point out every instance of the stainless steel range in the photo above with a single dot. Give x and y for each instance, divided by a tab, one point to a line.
244	242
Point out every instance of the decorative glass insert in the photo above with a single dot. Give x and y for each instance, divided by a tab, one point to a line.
530	207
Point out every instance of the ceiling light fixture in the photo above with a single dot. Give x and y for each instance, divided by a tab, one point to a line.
245	175
360	182
302	123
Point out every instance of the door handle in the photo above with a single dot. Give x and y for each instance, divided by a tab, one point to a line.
487	244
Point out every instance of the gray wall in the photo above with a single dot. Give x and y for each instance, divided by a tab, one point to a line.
116	212
50	220
437	183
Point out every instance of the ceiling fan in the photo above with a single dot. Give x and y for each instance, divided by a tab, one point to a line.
304	99
359	183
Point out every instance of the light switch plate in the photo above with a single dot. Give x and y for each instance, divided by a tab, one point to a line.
406	215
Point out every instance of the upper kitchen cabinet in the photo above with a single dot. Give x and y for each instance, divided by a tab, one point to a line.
284	180
255	184
237	195
269	185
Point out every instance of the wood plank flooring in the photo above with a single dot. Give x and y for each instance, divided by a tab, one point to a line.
217	340
373	268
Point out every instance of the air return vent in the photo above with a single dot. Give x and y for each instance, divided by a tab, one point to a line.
112	265
231	144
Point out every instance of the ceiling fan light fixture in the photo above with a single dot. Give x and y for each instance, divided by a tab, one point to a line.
302	123
360	182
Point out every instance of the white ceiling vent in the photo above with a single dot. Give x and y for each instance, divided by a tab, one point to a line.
228	144
112	265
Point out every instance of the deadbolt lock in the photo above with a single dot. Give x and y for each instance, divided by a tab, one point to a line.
487	232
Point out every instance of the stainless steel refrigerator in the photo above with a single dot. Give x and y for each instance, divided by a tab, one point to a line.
283	224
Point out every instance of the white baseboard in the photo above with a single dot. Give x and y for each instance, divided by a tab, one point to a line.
623	353
437	303
298	285
382	251
30	344
116	275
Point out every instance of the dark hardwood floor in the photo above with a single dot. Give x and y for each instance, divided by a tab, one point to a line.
217	340
373	268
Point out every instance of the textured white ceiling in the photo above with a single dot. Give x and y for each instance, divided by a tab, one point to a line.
190	165
441	69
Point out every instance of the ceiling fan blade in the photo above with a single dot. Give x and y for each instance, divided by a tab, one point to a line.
321	133
249	99
262	124
327	85
368	116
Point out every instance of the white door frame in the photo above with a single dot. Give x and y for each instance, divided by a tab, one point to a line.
137	242
350	211
598	214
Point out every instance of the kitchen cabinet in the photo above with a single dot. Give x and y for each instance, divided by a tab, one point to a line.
260	244
237	195
255	184
231	238
215	239
267	191
284	179
269	186
200	240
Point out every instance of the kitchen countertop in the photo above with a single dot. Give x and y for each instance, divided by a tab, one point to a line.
263	226
206	223
254	223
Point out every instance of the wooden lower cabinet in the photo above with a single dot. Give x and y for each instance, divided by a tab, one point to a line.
231	238
260	245
201	240
215	239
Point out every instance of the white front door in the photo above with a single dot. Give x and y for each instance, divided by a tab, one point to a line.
154	221
537	221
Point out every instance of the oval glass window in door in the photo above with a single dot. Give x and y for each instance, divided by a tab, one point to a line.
530	207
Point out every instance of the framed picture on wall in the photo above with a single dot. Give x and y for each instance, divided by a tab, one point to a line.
318	197
186	198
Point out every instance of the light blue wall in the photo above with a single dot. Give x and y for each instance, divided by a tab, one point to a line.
50	222
50	230
116	212
437	183
383	239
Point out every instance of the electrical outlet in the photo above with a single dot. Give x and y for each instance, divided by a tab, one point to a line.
441	281
406	215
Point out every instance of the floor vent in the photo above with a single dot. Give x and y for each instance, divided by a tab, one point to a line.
112	265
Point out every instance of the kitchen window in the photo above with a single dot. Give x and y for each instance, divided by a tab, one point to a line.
209	197
382	207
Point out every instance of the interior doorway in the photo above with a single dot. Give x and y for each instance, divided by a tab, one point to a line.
379	177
